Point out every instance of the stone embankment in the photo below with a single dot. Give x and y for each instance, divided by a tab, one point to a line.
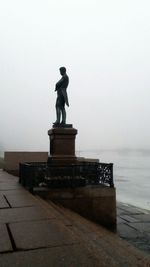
36	233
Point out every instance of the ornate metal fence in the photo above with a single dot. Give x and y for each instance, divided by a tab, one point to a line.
36	174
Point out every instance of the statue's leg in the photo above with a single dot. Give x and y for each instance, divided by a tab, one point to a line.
63	115
58	113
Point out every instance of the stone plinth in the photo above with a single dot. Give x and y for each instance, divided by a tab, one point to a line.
62	145
94	202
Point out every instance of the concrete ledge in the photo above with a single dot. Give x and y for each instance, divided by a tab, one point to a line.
13	158
96	203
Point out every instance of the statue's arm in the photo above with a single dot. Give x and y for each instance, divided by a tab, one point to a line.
59	84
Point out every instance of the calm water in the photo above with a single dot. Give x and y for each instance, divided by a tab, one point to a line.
131	174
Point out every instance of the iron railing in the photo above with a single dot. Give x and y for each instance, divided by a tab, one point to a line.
35	174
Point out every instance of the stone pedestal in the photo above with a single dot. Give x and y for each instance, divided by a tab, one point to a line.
62	145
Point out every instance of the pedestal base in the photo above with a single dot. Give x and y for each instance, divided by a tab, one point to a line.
62	160
62	145
61	125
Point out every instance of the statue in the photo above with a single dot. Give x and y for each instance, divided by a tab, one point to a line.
62	98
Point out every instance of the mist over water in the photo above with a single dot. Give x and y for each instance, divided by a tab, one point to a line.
131	174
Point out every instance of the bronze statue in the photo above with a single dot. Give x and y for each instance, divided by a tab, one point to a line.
62	98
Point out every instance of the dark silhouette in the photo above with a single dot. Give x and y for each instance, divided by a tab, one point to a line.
62	97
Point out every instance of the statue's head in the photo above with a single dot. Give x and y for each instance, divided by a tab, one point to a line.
62	70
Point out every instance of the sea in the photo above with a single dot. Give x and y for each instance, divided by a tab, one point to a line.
131	173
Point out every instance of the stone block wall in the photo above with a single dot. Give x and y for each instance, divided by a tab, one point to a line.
13	158
96	203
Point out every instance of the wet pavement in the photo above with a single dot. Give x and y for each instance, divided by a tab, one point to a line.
133	225
36	233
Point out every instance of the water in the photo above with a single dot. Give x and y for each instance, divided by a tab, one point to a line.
131	174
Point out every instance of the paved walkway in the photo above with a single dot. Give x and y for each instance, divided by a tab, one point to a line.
36	233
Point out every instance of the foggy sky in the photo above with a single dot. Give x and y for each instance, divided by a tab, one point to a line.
105	46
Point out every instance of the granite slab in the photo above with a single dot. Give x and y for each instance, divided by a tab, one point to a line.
16	191
128	209
5	243
24	214
3	203
39	234
64	256
21	200
9	186
120	220
141	226
142	217
129	218
126	231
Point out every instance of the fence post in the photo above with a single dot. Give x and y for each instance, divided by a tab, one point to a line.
111	178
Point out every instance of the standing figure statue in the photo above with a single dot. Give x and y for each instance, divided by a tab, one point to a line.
62	98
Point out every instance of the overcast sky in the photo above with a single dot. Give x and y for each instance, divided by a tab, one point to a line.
105	46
